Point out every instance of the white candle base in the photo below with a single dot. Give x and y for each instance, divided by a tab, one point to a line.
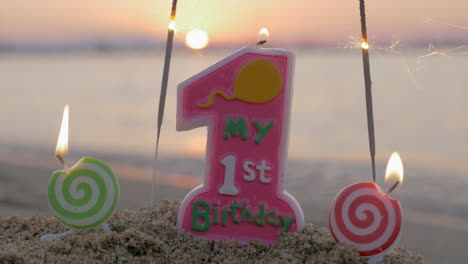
50	237
106	228
375	259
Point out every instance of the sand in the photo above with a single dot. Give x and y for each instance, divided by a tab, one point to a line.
150	236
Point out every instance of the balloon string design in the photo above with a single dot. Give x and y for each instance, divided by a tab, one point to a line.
258	81
212	97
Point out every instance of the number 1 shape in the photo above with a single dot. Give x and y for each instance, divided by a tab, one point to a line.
228	187
244	100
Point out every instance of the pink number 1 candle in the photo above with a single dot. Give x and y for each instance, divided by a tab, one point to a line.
245	102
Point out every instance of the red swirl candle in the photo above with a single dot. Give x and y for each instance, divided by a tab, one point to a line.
364	216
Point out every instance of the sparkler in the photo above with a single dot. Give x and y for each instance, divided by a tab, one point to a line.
368	85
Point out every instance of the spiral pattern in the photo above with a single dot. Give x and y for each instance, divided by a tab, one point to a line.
85	197
363	216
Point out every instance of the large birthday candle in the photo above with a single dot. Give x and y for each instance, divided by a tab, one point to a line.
245	101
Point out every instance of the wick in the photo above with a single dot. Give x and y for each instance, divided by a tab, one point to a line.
393	187
261	42
63	162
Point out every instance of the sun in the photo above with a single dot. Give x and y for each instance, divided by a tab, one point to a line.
196	39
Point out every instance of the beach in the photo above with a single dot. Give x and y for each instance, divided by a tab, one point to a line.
430	230
113	111
150	236
303	101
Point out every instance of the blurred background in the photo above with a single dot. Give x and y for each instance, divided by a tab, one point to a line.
105	59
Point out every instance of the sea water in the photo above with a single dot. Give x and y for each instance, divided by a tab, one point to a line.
420	104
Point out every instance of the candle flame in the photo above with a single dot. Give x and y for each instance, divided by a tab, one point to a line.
264	34
364	45
394	168
62	142
172	24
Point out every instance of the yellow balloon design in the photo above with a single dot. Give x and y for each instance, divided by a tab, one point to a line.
258	81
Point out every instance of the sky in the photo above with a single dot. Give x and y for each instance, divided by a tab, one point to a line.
234	21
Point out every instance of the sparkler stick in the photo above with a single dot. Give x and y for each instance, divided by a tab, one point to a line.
162	96
368	85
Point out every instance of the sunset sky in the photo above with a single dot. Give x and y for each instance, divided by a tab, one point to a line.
234	21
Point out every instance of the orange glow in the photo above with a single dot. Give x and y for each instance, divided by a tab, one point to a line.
229	22
196	146
62	142
181	181
394	168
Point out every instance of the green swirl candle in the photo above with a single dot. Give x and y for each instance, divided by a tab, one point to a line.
83	196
